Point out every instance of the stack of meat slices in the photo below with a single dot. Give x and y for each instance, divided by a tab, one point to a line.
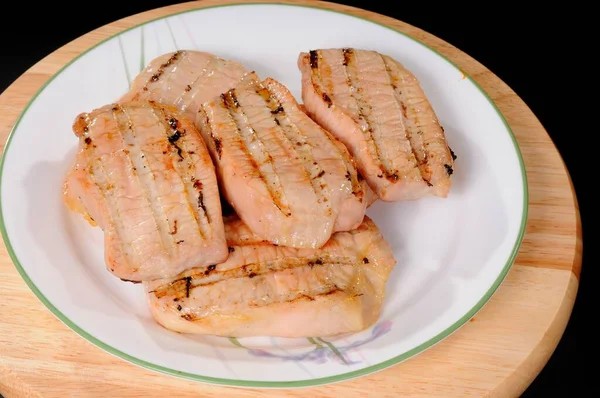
298	256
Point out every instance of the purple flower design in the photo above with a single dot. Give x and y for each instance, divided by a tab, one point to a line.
324	350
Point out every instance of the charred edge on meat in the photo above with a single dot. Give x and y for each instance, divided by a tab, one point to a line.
347	54
449	169
231	249
161	69
452	154
314	59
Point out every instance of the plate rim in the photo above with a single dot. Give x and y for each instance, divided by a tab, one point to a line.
455	326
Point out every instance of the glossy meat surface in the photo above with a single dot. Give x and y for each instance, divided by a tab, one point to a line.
378	109
268	290
291	181
144	175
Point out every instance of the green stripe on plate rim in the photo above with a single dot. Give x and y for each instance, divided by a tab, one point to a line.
274	384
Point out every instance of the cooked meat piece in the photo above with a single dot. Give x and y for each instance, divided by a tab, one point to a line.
144	175
379	110
185	79
268	290
291	181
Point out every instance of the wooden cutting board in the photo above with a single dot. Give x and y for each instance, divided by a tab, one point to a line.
498	353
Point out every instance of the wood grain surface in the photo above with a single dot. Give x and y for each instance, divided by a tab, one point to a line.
498	353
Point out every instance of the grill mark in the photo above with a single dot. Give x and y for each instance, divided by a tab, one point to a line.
350	170
314	59
364	112
201	201
317	79
175	58
291	133
297	296
351	174
204	230
435	146
347	54
115	214
196	184
181	287
321	80
191	90
239	118
413	137
326	75
138	160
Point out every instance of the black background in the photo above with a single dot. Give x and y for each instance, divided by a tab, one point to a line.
529	50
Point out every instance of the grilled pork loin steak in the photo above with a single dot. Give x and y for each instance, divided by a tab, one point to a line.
144	175
379	110
185	79
287	178
268	290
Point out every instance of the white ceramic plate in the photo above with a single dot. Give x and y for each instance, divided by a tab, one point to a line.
452	253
